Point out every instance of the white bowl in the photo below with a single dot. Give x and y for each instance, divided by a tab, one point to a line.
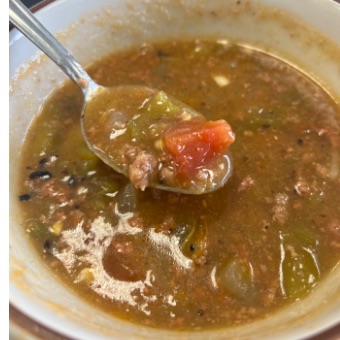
304	32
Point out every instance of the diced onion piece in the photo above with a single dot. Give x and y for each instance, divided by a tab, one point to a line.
237	278
221	80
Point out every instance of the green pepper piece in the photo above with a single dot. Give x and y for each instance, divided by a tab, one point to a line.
159	107
87	160
105	185
305	236
161	104
44	140
194	242
105	189
39	231
299	270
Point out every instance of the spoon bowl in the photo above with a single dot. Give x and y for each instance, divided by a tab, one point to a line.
116	121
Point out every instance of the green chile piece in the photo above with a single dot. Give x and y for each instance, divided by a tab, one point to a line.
305	236
194	241
44	140
158	108
159	104
105	189
90	160
87	158
40	231
299	272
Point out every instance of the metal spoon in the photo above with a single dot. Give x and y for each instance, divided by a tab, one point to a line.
98	98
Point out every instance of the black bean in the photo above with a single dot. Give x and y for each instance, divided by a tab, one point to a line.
43	161
44	174
162	54
72	181
47	247
200	312
300	141
47	160
25	197
266	126
192	247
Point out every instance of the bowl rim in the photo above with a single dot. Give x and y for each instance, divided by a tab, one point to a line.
20	321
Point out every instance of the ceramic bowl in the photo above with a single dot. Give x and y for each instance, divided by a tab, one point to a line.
306	33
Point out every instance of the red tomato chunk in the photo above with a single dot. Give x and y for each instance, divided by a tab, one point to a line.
195	143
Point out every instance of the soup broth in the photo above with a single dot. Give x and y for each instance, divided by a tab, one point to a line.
192	262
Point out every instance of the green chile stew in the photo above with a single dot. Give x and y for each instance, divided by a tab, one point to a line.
192	262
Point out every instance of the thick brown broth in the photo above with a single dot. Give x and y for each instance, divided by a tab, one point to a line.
167	260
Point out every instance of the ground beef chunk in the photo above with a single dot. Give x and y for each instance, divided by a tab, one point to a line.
167	175
142	169
280	213
246	183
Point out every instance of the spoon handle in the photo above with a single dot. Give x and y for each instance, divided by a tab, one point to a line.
29	26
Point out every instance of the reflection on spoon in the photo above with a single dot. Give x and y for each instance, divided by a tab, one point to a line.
155	140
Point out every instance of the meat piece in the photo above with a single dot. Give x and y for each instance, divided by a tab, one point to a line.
280	213
142	169
167	175
128	153
246	183
334	226
53	189
301	187
136	222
